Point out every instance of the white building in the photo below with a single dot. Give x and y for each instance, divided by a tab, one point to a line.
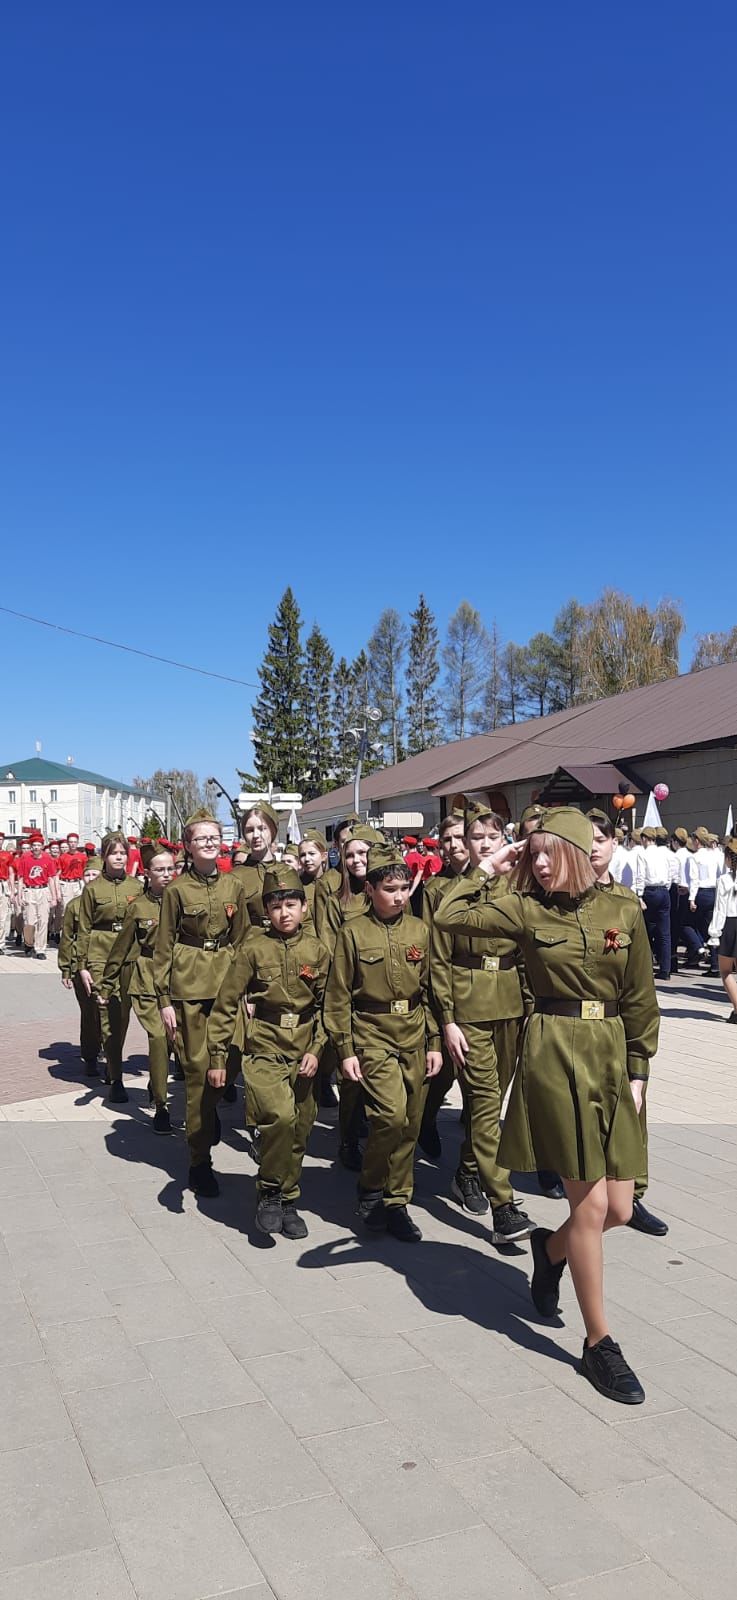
61	798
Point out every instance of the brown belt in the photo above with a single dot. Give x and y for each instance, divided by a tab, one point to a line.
388	1008
485	963
587	1010
194	940
281	1016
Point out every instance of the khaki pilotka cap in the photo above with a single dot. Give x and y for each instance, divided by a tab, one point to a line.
385	855
313	837
702	834
476	811
662	833
151	848
109	841
369	836
529	812
565	822
596	816
281	879
202	814
93	864
649	833
264	810
681	835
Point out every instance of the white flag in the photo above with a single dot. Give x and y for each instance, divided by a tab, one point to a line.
293	832
729	830
652	815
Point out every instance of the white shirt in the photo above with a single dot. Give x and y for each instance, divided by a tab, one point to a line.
707	863
725	906
618	863
629	866
654	868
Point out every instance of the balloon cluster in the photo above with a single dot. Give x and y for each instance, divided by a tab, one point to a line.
623	802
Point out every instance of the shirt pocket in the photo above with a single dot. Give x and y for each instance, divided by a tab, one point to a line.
548	941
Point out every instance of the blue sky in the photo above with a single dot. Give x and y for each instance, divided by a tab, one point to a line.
368	298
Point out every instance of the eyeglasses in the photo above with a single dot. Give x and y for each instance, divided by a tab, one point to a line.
206	838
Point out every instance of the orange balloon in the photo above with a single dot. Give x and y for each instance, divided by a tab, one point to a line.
628	801
618	802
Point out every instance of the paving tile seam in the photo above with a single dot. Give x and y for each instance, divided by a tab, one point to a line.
434	1538
631	1566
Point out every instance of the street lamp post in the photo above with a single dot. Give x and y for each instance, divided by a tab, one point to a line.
363	745
223	793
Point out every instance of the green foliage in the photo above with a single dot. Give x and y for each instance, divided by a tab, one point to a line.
278	714
187	793
424	726
465	657
714	649
318	726
386	650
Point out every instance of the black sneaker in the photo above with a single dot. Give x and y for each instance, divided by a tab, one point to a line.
646	1221
270	1212
732	1017
399	1223
39	954
118	1093
467	1190
428	1140
230	1094
369	1201
349	1155
162	1121
605	1367
509	1223
293	1225
203	1181
546	1274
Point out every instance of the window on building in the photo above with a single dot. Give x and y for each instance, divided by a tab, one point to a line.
32	823
11	797
54	797
32	796
52	825
11	825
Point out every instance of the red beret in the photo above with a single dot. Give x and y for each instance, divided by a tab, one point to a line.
72	836
132	838
409	838
90	848
430	843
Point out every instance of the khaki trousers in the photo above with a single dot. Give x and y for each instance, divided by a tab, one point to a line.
283	1106
200	1097
6	910
146	1007
90	1027
70	891
394	1087
484	1094
36	911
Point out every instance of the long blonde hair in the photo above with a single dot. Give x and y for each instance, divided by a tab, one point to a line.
574	873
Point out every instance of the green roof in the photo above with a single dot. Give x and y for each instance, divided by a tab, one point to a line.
39	771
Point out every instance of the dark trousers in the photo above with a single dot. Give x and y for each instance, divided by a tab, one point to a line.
676	901
657	922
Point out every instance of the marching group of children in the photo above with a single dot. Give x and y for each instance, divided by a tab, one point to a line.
528	974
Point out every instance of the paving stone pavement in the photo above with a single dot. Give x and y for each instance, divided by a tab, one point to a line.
188	1410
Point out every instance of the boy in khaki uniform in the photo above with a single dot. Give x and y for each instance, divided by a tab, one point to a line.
378	1015
281	971
90	1033
202	921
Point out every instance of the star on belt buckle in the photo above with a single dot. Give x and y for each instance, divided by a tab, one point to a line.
116	927
489	963
400	1008
289	1019
592	1010
209	944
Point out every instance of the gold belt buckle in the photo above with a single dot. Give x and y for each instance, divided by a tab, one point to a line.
592	1010
400	1008
489	963
116	927
289	1019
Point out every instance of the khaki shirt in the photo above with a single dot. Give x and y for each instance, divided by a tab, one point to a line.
68	940
135	943
463	993
289	974
212	909
566	957
385	962
334	914
102	908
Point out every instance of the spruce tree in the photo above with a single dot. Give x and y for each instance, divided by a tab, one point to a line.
386	649
465	657
318	732
344	690
278	714
423	711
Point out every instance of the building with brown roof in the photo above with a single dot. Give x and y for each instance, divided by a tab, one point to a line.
682	732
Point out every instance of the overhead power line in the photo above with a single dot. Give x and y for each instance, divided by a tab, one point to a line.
112	644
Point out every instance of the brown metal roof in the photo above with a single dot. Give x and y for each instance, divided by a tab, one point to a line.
695	709
603	779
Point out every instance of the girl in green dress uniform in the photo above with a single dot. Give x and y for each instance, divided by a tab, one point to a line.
135	943
577	1093
102	911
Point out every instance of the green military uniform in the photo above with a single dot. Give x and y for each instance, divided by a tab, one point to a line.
90	1034
201	923
377	1008
284	979
595	1021
441	1085
477	983
622	892
102	909
135	943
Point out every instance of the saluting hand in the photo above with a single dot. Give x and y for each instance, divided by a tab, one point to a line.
503	861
